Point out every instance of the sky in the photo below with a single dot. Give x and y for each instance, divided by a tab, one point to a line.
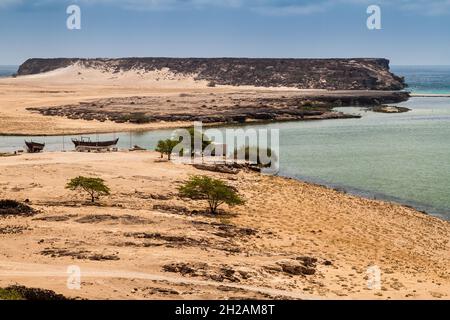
413	32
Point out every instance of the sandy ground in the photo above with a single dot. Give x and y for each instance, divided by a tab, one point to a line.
142	242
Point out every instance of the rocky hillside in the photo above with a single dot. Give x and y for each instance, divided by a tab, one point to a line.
332	74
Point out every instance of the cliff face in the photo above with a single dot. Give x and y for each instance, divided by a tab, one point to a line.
331	74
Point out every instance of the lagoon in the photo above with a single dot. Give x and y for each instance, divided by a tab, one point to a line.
399	157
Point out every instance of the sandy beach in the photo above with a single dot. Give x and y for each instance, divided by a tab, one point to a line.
290	240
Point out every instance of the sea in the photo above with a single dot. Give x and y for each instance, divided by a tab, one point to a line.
8	71
404	158
425	79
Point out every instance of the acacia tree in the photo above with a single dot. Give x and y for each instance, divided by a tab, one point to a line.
216	192
95	187
165	147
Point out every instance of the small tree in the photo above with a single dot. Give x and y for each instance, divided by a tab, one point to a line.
95	187
161	147
216	192
165	147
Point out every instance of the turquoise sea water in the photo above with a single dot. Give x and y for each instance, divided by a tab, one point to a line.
400	157
425	79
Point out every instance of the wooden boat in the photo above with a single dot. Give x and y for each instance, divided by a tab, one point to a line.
87	144
34	147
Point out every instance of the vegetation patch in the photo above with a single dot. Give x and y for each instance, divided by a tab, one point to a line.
214	191
136	118
15	208
176	240
165	147
56	218
12	229
81	254
94	187
125	219
172	209
23	293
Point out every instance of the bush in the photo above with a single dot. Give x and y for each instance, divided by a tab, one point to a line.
216	192
136	118
95	187
24	293
165	147
11	207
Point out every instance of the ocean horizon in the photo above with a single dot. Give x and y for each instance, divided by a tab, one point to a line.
8	70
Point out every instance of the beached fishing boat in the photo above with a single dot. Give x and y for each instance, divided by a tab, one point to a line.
34	147
85	144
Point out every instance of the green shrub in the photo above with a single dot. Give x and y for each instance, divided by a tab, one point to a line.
95	187
32	294
137	118
214	191
165	147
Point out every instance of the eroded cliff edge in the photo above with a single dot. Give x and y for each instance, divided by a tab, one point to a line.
331	74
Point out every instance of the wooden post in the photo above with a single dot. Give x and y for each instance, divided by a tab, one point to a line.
131	140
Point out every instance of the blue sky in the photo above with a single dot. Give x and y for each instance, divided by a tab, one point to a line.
413	31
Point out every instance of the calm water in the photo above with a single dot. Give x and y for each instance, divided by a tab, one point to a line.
401	157
425	79
7	71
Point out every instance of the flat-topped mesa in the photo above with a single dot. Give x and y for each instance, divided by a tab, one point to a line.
331	74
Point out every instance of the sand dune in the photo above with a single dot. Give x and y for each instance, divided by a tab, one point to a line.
77	74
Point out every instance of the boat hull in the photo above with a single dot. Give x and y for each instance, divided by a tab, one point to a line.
34	147
98	144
